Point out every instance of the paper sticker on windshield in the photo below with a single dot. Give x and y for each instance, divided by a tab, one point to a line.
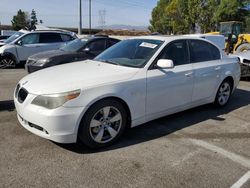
148	45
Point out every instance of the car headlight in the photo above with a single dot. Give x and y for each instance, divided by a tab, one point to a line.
55	100
41	62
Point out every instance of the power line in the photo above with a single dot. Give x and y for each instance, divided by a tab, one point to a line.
126	4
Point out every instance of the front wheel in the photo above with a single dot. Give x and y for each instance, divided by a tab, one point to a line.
103	124
223	93
7	62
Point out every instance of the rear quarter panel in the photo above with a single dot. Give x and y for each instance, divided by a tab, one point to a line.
230	67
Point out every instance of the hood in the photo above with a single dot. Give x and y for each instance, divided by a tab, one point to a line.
79	75
5	48
50	54
2	43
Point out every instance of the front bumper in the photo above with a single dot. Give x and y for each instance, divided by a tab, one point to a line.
245	70
32	68
59	125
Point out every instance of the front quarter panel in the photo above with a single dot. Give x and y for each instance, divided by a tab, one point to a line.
132	92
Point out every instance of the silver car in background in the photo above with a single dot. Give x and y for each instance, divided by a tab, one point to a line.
17	51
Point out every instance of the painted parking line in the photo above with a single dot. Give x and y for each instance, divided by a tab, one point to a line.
242	180
185	158
227	154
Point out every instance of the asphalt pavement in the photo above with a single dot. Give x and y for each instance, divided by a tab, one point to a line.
201	147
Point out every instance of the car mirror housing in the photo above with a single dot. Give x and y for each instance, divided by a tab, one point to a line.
20	43
165	63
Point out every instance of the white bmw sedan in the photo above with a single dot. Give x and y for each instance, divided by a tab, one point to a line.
133	82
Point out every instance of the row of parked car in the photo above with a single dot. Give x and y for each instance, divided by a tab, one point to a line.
45	48
132	82
54	47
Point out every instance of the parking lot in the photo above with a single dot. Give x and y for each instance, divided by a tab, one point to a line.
201	147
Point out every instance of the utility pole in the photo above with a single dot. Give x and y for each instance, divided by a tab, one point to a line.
90	17
80	18
102	15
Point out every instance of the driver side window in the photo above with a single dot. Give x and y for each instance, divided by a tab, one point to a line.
30	39
177	52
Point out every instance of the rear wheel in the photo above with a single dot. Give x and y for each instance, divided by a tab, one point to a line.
223	93
7	62
103	124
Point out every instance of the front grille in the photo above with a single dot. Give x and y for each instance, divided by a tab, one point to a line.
22	94
246	61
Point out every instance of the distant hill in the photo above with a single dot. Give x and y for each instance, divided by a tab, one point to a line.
125	27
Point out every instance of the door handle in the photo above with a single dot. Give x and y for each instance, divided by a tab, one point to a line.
217	68
189	74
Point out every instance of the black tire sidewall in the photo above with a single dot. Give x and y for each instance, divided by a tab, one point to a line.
83	131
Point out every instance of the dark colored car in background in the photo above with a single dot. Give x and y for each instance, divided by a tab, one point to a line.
76	50
3	37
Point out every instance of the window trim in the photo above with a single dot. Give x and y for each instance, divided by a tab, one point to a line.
153	67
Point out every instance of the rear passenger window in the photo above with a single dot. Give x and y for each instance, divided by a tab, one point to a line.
177	52
98	45
50	37
112	42
201	51
66	38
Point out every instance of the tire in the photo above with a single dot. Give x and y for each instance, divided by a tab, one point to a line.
7	62
242	47
103	124
223	94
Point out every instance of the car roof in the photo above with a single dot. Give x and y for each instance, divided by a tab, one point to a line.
167	37
93	37
51	31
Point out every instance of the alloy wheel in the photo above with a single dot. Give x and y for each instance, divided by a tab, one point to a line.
7	63
224	93
105	124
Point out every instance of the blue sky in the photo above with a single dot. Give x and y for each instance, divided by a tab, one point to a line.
65	12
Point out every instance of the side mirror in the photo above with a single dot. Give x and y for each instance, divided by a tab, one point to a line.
20	43
165	63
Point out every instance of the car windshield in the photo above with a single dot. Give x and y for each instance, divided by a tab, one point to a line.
14	37
74	45
131	53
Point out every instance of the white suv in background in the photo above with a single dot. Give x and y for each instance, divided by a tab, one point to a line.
18	51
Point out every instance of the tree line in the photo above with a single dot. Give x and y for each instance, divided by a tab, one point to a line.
24	20
188	16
